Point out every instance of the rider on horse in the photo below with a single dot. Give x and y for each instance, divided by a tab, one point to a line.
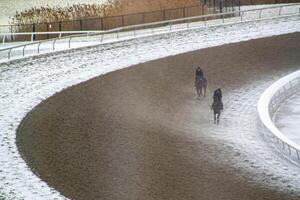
218	97
200	82
199	74
217	105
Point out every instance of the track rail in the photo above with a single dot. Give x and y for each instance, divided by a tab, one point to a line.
268	104
150	29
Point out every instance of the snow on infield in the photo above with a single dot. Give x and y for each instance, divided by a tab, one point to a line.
287	118
25	83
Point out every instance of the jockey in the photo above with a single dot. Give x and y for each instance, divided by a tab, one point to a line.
199	74
218	96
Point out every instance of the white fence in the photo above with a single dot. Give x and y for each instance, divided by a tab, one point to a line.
98	37
270	101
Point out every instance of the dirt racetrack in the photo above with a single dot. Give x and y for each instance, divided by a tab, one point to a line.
140	133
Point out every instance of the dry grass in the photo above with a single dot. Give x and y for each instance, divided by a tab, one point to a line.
115	13
49	14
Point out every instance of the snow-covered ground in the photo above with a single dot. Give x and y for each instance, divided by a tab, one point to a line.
287	118
26	82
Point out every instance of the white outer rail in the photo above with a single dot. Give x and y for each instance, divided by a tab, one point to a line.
32	34
269	103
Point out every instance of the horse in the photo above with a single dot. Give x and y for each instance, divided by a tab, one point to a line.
199	84
217	107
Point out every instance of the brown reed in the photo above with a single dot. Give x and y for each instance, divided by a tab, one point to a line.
47	14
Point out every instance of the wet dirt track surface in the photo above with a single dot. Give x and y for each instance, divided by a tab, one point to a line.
140	133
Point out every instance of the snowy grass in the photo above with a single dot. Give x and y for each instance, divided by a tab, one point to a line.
90	14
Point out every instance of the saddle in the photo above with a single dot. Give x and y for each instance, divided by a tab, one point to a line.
199	78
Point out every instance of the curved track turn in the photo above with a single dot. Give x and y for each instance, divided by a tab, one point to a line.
140	133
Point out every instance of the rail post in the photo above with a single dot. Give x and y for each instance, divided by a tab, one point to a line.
280	11
260	14
12	39
53	45
4	39
70	42
39	47
9	54
24	50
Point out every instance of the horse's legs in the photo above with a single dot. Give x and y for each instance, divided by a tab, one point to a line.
218	117
198	93
204	90
200	89
215	118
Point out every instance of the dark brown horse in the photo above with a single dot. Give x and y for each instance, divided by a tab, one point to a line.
201	83
217	107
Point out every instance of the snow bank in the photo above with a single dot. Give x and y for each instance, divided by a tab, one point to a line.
287	118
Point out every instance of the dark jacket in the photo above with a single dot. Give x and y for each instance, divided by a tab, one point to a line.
218	95
199	74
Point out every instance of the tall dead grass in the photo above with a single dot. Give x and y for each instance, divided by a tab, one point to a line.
47	14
